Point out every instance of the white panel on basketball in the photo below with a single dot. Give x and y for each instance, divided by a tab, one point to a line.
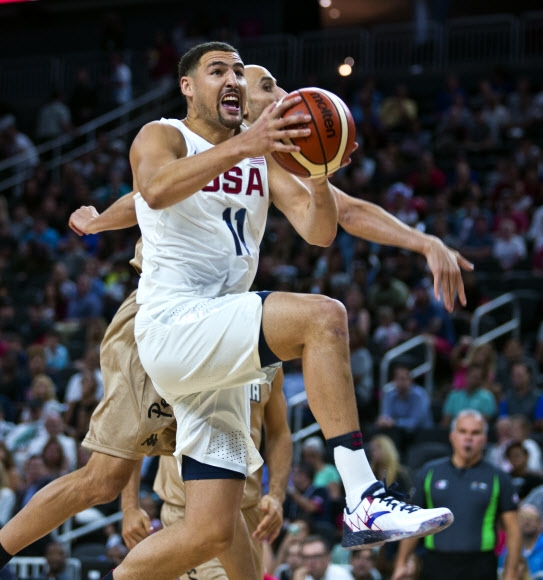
315	169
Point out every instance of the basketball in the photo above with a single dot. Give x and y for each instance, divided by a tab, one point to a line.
332	136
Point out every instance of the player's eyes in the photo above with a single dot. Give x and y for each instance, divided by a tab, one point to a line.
268	88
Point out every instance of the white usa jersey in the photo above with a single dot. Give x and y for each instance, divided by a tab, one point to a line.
206	245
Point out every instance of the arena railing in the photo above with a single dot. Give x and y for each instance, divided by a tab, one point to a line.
29	567
512	325
117	123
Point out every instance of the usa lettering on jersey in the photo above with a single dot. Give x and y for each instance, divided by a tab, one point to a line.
231	181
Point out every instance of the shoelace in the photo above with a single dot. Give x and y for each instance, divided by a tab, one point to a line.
394	498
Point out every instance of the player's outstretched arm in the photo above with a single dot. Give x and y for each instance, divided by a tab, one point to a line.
279	459
136	522
371	222
119	215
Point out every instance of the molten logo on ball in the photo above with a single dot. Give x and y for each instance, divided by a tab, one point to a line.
326	112
332	137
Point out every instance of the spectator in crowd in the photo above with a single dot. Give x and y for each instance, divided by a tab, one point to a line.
357	313
293	560
53	428
463	186
56	563
14	143
429	317
472	489
86	303
464	353
43	388
12	472
401	204
363	565
54	459
83	99
539	347
35	477
398	111
23	434
385	462
495	453
521	430
428	180
452	132
54	118
388	332
56	354
316	562
5	426
304	500
531	530
120	80
78	414
295	532
406	405
509	248
90	362
480	138
7	497
446	96
478	245
162	60
524	480
523	398
473	396
513	351
326	474
361	368
387	290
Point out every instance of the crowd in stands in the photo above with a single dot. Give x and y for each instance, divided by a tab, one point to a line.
466	166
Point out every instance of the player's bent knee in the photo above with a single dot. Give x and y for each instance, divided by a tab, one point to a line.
330	313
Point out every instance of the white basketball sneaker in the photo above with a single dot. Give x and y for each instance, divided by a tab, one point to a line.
382	516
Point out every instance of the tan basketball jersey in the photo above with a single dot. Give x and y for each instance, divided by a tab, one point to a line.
169	486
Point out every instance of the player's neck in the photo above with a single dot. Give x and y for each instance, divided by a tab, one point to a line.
214	134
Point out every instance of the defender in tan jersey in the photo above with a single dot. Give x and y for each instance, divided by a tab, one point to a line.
262	514
131	420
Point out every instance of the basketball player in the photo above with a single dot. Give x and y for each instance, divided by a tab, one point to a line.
111	465
202	204
268	410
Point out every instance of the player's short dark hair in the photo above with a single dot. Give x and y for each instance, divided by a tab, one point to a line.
191	59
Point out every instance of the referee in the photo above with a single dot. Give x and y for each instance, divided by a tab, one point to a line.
479	495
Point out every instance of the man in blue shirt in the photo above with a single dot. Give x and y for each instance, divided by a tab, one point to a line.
405	404
531	529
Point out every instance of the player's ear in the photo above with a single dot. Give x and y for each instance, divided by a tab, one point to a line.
186	86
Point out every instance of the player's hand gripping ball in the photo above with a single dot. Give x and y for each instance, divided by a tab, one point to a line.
332	138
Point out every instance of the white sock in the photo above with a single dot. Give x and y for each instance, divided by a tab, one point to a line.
355	472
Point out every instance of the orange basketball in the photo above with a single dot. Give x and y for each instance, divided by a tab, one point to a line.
332	136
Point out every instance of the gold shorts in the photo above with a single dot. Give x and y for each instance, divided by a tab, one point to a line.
131	420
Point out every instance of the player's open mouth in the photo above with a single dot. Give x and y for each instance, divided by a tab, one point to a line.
230	101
